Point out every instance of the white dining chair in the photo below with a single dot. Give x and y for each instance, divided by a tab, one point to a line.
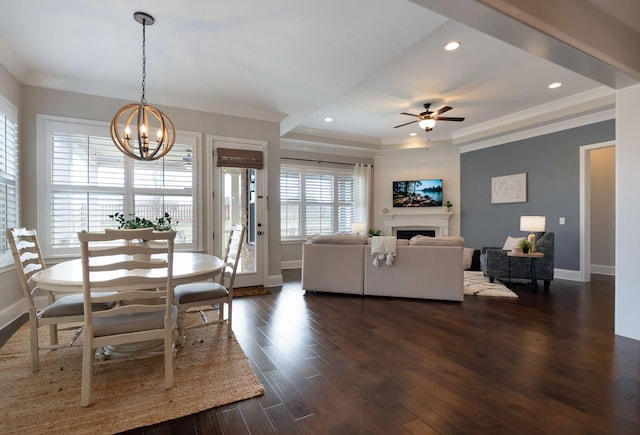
66	310
212	296
139	276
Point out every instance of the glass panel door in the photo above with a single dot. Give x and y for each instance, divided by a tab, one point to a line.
239	203
239	209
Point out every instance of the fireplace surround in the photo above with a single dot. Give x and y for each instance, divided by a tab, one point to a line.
436	221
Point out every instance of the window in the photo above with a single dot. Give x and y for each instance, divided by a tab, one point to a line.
9	164
87	179
314	201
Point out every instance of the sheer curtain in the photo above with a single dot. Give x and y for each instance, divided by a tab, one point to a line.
362	193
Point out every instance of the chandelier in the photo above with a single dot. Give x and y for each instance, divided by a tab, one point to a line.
134	125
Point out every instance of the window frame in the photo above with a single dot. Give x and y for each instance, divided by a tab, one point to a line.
8	111
303	203
47	125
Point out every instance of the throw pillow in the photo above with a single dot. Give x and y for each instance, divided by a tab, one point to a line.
467	256
512	243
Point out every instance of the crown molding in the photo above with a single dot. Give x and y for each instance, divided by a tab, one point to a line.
542	130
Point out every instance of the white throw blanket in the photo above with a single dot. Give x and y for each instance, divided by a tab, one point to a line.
383	247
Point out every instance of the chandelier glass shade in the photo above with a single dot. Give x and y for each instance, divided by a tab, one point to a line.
427	124
142	131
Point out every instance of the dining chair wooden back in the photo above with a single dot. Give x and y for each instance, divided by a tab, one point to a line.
65	310
213	295
118	267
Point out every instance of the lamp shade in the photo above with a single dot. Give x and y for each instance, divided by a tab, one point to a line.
532	223
359	227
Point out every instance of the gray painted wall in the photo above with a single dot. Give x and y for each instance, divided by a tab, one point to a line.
552	164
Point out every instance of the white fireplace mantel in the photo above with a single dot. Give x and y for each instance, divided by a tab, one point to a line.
427	220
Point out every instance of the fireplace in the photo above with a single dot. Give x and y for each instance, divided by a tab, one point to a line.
407	234
418	222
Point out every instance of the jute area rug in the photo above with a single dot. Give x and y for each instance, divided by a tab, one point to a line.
476	284
210	370
257	290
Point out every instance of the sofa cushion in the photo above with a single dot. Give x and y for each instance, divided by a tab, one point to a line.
511	243
338	239
399	242
421	240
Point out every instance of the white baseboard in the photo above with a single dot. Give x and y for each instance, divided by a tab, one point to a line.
571	275
291	264
603	270
11	313
273	281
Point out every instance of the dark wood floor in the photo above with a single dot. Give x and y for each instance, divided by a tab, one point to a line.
545	363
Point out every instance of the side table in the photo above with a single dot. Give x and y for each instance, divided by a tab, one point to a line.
532	256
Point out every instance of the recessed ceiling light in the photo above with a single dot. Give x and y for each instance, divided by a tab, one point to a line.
328	119
453	45
555	85
413	134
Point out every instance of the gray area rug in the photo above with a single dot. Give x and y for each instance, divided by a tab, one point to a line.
476	284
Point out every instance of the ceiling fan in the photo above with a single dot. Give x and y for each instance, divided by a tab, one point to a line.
427	119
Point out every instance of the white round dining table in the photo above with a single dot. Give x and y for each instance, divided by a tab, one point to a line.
66	277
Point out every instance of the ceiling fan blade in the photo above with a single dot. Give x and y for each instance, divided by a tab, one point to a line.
442	110
410	114
447	118
407	123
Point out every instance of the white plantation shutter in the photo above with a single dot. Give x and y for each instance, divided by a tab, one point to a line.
290	203
318	190
89	179
87	184
318	201
9	164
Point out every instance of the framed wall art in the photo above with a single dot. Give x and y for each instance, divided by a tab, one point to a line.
509	188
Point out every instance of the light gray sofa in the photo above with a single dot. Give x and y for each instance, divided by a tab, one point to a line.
424	268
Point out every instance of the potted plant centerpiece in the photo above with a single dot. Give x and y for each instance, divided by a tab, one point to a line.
162	223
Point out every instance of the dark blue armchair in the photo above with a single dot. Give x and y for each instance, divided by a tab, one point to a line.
494	262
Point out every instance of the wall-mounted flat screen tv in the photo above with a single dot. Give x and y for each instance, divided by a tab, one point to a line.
417	193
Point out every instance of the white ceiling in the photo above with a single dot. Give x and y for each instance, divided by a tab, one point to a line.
360	62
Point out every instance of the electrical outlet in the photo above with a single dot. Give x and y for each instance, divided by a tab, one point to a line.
561	222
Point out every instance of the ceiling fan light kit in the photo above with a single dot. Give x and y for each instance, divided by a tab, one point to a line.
427	124
134	124
427	119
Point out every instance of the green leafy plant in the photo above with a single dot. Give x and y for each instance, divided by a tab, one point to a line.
373	232
525	245
448	204
163	223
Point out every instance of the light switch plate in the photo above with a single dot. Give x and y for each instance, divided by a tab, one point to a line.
561	222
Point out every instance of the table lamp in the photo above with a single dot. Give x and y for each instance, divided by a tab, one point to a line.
532	224
359	228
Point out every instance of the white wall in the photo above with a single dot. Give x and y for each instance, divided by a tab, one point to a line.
627	311
417	164
10	294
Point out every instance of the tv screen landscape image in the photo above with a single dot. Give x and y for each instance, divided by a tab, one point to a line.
417	193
